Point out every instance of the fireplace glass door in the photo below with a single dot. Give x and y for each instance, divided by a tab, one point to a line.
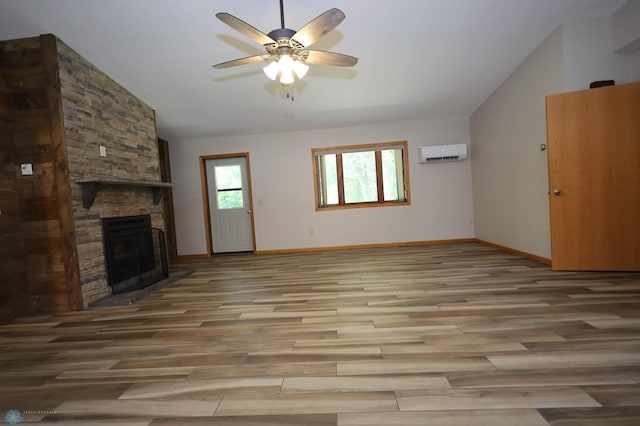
134	252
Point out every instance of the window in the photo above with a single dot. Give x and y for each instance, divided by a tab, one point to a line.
228	187
361	175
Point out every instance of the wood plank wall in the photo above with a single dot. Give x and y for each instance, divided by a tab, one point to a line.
34	273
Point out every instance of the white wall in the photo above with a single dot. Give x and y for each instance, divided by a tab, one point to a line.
510	178
590	56
282	180
626	34
626	27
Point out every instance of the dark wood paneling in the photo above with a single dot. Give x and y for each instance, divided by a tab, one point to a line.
37	251
167	199
14	299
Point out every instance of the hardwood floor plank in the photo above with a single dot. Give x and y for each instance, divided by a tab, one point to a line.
492	398
358	383
272	420
507	417
415	365
339	402
277	369
602	359
204	388
540	377
453	350
140	375
111	408
599	416
615	396
63	392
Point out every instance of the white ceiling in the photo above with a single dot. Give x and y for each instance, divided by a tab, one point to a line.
417	58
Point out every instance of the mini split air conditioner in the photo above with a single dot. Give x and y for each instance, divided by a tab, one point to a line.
433	154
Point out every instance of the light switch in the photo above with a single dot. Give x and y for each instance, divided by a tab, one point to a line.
103	151
26	169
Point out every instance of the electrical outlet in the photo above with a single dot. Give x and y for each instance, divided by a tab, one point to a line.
312	232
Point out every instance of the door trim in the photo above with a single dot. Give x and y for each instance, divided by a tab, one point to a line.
205	196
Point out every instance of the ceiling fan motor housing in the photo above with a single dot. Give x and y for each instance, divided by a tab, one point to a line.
281	33
283	37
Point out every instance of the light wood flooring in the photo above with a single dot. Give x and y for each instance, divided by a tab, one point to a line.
457	334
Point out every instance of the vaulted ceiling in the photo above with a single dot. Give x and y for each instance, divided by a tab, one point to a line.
417	58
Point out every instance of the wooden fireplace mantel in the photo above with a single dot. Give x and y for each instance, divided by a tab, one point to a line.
90	188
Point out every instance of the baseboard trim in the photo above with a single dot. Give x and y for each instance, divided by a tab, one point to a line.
540	259
192	256
366	246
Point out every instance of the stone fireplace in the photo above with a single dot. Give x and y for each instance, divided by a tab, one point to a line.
102	117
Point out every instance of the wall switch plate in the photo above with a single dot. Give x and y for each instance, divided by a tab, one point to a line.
103	151
26	169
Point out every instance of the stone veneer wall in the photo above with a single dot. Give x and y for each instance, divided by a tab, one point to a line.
98	111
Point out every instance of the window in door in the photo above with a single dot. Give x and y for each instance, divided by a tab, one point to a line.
229	187
361	175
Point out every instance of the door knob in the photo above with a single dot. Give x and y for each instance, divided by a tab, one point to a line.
557	192
248	211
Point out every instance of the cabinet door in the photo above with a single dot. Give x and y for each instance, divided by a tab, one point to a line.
594	178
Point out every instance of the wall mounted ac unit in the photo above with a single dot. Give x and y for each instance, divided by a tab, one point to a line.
432	154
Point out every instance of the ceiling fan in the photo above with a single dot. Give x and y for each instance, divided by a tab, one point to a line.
287	50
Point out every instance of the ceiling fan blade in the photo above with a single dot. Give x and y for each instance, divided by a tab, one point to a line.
327	58
241	61
246	29
318	27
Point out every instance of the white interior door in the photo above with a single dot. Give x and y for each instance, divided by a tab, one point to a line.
230	213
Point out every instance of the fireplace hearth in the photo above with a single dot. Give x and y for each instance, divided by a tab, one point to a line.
135	253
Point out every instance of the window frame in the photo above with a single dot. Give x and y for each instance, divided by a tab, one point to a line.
317	153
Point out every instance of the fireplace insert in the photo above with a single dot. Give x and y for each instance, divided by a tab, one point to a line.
135	255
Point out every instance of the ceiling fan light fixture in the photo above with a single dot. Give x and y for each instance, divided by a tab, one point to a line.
272	70
285	66
286	63
286	77
300	68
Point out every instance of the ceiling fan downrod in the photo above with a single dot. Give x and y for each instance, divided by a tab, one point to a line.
281	14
